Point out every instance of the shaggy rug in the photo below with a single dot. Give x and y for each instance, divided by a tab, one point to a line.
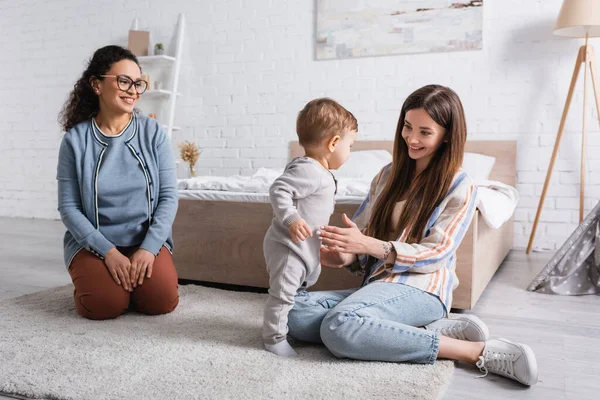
208	348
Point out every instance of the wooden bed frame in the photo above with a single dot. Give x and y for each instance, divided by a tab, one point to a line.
221	241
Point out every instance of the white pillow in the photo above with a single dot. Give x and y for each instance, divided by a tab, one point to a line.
364	164
478	166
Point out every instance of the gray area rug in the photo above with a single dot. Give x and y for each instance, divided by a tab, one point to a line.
208	348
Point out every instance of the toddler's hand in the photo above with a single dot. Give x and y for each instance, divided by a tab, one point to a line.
299	230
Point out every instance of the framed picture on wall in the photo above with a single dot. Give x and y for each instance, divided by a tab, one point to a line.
355	28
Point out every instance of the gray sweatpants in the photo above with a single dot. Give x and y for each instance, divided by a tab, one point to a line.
288	273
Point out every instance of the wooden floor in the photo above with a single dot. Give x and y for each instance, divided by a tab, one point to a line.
564	332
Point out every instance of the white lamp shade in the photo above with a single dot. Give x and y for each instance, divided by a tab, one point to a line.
576	17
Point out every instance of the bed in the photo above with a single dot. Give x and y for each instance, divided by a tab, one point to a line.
219	239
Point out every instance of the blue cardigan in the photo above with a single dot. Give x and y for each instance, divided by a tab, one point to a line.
79	161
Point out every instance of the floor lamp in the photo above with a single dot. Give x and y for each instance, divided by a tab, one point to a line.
577	19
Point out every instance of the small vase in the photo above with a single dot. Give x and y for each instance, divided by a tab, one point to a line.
192	171
159	52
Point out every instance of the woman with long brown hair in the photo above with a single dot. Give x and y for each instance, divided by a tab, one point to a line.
404	239
117	193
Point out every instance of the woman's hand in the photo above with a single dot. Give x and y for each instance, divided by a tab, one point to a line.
344	240
142	262
119	267
332	259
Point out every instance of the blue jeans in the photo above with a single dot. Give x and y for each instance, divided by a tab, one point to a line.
378	322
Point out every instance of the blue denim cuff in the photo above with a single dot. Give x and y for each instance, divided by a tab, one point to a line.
435	348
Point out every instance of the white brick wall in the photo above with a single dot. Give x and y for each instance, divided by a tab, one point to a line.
249	67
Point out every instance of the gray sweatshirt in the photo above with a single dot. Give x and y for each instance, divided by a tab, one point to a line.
305	190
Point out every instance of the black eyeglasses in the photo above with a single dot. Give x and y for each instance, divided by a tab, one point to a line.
125	83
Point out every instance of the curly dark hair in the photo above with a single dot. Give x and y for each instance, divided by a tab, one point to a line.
83	103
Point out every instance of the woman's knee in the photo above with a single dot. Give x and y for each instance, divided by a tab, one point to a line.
337	333
161	300
163	307
160	293
101	306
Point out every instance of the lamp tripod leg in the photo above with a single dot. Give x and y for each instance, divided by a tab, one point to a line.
580	59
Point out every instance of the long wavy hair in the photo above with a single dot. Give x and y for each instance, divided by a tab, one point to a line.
83	103
425	191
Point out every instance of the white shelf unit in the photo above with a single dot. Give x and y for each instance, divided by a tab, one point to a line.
158	93
173	64
161	58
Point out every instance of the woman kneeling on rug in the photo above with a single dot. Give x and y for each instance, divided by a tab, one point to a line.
404	239
117	193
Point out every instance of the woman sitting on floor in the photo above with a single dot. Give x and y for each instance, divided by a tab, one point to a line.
404	239
117	193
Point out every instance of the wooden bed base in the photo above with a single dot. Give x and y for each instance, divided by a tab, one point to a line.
221	241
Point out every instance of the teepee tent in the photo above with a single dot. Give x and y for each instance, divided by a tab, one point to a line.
575	268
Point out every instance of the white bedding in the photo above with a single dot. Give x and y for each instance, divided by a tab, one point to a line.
262	180
495	200
219	195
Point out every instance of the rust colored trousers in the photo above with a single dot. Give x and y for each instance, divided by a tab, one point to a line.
97	296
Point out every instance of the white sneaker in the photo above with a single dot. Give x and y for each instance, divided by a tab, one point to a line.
509	359
462	327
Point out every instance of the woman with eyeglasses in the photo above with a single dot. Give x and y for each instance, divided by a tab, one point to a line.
117	193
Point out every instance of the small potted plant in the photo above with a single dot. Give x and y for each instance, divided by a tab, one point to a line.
159	50
190	154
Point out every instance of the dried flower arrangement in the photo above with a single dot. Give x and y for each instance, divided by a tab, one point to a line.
190	154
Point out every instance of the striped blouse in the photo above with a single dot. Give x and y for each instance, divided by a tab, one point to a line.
429	265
